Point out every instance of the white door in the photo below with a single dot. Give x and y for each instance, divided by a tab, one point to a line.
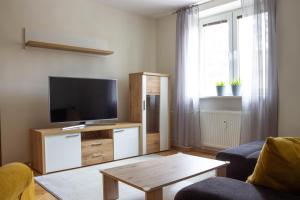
164	114
62	152
126	143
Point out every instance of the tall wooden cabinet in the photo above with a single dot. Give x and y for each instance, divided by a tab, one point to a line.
149	105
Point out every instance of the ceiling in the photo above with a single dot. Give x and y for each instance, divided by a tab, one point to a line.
150	8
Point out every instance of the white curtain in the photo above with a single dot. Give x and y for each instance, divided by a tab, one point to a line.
186	118
260	80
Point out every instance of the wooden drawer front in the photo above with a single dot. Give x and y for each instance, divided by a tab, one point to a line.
97	151
153	143
153	85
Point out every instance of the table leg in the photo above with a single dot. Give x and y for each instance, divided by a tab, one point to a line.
221	171
110	188
154	195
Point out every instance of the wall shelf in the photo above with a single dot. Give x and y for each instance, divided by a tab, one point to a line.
46	45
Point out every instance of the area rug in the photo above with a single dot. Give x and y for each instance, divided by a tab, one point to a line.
86	183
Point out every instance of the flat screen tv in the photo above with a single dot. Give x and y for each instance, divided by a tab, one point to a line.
82	99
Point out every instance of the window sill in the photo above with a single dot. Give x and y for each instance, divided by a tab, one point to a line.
221	97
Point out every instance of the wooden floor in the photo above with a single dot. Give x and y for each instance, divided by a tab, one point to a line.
42	194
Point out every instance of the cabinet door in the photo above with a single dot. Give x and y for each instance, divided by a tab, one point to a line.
126	143
62	152
164	114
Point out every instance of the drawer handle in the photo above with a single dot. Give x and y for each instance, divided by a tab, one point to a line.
118	131
96	144
97	155
144	104
71	136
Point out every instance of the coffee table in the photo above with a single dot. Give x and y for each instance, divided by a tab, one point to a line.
151	176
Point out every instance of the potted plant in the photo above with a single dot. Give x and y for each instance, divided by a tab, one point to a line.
220	88
235	87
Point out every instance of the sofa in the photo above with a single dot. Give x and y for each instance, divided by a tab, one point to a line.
233	187
16	182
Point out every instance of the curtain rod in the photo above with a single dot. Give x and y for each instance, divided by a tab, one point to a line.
192	5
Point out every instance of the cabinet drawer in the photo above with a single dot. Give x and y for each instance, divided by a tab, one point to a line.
153	142
96	151
96	144
97	157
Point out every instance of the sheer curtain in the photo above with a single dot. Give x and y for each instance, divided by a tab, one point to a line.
186	118
260	81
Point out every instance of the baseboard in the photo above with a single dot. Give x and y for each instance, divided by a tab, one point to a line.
182	148
204	149
209	150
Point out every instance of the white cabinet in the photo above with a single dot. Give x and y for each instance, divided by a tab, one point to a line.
126	142
62	152
149	104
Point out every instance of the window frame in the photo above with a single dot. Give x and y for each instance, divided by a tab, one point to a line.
236	56
232	19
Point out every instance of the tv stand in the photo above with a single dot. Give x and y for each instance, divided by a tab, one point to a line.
80	126
101	124
56	149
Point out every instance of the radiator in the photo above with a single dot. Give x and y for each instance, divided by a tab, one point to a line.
220	129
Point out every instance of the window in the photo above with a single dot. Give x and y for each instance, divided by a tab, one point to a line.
224	48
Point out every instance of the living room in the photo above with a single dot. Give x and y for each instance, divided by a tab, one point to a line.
179	85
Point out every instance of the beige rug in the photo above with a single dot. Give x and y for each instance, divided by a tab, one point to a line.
86	183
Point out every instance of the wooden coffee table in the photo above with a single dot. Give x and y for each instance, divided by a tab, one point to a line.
151	176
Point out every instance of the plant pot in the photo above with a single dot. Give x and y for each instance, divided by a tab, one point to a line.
235	90
220	90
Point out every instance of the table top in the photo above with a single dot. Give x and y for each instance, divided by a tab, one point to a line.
157	173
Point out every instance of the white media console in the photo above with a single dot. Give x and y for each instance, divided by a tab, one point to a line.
56	149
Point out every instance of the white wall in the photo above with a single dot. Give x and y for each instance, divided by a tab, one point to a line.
288	29
24	73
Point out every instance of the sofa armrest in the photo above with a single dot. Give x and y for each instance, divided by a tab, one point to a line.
239	167
240	152
16	182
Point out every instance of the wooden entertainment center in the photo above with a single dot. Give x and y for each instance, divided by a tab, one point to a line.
55	149
147	132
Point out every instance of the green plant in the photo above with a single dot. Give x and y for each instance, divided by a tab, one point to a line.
220	83
236	82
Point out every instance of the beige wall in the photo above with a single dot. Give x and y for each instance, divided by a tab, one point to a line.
288	29
166	48
289	66
140	44
24	73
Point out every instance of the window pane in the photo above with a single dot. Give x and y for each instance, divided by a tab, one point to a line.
245	49
214	56
253	57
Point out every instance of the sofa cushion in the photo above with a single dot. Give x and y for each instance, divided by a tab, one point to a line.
220	188
278	166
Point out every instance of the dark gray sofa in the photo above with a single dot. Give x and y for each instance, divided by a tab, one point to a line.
233	187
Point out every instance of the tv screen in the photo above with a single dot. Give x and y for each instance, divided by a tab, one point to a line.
82	99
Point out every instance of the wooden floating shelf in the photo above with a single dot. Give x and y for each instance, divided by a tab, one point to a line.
63	47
